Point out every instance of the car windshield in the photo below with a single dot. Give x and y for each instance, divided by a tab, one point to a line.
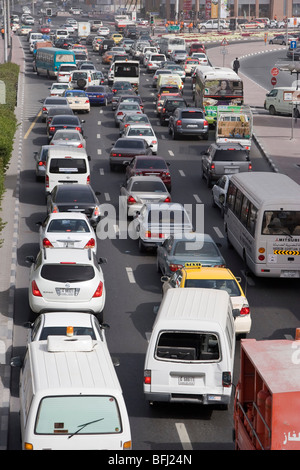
68	225
67	272
228	285
146	132
61	331
195	248
148	186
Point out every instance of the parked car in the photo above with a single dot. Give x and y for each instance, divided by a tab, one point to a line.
75	197
216	24
221	159
187	122
143	165
138	190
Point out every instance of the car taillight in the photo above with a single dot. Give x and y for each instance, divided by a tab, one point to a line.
99	290
47	243
175	267
87	101
178	122
205	123
131	200
44	108
147	377
96	211
52	129
80	146
119	113
55	210
154	142
35	290
90	243
212	166
42	163
78	129
245	311
261	257
88	179
163	110
168	199
47	181
250	167
226	379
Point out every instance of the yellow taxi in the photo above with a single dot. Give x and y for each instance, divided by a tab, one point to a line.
117	37
194	275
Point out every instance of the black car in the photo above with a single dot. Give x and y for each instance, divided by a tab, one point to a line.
106	45
131	32
64	122
293	53
75	197
121	86
118	95
168	107
150	165
133	99
60	110
124	149
188	122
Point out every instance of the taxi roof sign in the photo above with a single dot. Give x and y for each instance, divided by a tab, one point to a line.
193	264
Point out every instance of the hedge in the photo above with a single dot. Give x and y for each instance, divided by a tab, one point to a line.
9	74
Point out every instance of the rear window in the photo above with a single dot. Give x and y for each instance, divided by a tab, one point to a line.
228	285
130	143
148	186
66	68
151	164
196	248
68	225
157	57
78	196
56	101
65	120
148	132
61	331
231	155
166	216
67	165
188	347
67	272
192	115
77	75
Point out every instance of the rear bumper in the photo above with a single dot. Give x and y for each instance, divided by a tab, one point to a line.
204	399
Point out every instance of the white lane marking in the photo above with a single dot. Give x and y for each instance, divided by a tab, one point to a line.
197	198
181	172
183	436
99	151
218	232
107	196
171	153
101	171
98	136
130	275
99	123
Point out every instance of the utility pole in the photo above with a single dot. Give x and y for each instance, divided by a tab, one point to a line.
5	29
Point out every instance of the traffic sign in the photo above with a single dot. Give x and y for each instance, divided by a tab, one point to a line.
273	81
293	44
224	42
274	71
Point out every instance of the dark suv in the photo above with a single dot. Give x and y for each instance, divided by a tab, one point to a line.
224	159
106	45
168	107
188	121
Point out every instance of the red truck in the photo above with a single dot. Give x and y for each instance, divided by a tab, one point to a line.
267	398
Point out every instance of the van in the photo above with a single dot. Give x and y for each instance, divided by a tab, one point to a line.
70	396
190	355
279	101
66	166
171	79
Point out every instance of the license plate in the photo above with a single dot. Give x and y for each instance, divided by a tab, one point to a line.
186	380
231	170
287	273
68	244
192	125
65	291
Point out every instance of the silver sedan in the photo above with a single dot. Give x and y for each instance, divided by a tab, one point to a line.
126	108
139	190
68	137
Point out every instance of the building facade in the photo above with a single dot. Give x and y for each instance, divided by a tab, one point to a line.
235	8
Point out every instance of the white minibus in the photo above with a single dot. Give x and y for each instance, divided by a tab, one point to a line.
262	222
190	355
70	397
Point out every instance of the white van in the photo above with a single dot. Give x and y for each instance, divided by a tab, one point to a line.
190	355
66	165
70	397
279	101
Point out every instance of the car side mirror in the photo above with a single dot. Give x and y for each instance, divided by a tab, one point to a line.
16	361
235	312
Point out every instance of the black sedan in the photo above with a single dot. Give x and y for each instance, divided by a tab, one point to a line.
75	198
60	110
124	149
64	122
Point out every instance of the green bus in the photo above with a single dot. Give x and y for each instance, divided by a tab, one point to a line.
48	60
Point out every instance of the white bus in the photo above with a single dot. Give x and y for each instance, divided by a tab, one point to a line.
216	86
169	43
262	222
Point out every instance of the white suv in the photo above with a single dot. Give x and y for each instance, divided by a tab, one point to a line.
66	279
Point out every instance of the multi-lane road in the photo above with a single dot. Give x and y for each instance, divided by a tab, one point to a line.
132	282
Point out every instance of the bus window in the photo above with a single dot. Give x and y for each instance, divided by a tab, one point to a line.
238	203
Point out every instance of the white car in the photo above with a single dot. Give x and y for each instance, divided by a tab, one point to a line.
219	192
28	20
78	100
138	190
145	131
156	222
201	56
67	230
73	22
66	279
58	89
68	137
59	324
104	31
69	27
64	72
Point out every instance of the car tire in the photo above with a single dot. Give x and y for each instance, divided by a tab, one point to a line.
81	83
272	110
271	42
283	43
